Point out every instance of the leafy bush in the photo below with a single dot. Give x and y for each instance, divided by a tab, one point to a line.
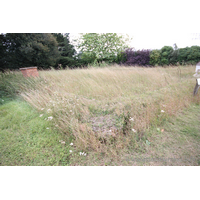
140	57
155	57
189	55
121	58
166	54
194	55
67	62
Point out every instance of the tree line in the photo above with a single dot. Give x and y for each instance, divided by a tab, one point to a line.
46	50
166	56
34	49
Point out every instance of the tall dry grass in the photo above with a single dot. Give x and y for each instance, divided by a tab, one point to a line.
108	109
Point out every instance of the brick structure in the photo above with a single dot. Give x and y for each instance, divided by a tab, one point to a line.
29	71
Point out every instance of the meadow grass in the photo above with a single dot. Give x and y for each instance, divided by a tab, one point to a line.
175	143
106	110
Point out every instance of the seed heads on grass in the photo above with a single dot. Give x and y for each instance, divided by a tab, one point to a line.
41	115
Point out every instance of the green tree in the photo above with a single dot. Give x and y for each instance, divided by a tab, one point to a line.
97	47
3	52
193	56
31	49
155	56
66	50
166	53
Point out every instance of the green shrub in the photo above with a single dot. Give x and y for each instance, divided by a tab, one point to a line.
155	57
189	55
166	54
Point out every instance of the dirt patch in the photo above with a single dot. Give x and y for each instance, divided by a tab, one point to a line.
104	125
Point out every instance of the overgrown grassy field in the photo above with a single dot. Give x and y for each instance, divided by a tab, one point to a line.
109	113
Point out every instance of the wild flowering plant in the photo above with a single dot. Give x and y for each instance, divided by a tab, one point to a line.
82	153
49	118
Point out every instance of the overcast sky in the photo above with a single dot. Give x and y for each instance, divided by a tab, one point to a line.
158	40
152	24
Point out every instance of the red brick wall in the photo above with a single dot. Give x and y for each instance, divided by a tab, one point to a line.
29	71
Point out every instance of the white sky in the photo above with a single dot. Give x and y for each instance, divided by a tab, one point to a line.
152	24
158	40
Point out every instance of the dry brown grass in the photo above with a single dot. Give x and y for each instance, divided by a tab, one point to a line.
88	104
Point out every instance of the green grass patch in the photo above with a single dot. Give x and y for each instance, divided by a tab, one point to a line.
28	139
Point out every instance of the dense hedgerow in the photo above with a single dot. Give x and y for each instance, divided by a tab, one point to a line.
189	55
140	57
155	56
165	56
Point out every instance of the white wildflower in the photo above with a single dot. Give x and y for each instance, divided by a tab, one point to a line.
47	128
162	111
49	110
71	144
50	118
42	108
131	119
41	115
2	100
134	130
70	111
70	151
82	153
